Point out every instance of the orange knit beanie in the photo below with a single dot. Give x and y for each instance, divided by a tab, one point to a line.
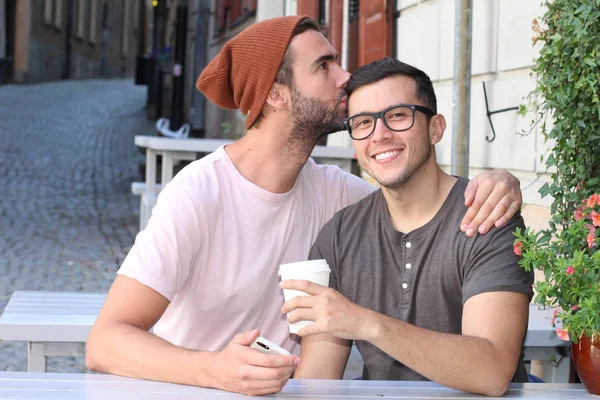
244	71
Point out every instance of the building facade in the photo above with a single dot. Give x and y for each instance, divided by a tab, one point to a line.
228	18
502	57
73	39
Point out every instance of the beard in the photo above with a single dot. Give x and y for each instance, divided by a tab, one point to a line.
313	119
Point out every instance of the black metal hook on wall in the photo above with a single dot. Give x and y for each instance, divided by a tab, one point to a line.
490	113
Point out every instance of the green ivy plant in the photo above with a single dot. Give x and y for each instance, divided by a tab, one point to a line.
566	105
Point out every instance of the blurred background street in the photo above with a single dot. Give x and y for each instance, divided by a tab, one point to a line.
67	214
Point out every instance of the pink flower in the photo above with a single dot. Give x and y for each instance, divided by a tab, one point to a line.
563	334
518	248
570	270
579	214
592	200
595	218
591	239
574	308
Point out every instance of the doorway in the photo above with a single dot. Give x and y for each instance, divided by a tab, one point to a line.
8	45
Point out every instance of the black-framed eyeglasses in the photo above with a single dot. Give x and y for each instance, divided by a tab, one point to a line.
398	118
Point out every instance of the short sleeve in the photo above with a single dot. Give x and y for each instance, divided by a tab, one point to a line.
323	248
163	253
492	265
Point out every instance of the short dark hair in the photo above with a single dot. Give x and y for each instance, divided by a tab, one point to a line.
389	67
285	74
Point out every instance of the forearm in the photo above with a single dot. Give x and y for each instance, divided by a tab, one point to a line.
323	357
129	351
466	363
315	369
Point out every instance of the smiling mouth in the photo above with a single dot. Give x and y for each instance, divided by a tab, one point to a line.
386	155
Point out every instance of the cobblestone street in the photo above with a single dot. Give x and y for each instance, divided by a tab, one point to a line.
67	215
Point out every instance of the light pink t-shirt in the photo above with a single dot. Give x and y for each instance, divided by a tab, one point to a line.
215	242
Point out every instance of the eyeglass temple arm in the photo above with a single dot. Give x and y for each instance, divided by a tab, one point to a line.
490	113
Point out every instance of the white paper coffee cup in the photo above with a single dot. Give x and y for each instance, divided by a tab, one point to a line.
316	271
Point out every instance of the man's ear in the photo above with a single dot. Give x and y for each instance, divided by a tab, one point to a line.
437	127
277	97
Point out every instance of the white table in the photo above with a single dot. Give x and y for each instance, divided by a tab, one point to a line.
38	386
58	324
52	323
173	150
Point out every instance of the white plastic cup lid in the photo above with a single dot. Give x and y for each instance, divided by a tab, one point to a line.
304	266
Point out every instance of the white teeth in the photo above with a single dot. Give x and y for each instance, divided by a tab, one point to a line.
383	156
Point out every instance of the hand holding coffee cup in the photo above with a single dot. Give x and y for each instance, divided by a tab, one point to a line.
316	271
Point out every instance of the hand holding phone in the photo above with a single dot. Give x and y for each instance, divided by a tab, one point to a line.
237	368
266	346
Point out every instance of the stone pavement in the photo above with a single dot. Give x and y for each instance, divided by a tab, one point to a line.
67	215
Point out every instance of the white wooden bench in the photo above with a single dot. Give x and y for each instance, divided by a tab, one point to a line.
139	189
52	323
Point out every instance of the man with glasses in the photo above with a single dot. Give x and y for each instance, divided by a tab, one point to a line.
421	300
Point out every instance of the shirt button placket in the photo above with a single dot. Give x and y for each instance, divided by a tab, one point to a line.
405	284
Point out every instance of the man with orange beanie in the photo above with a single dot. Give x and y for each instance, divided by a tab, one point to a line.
203	274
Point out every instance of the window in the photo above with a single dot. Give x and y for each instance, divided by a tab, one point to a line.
223	9
58	13
48	12
125	30
92	22
79	26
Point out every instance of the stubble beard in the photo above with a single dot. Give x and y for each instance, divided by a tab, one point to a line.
410	172
313	119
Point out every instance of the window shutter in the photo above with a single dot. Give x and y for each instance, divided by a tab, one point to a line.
374	31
